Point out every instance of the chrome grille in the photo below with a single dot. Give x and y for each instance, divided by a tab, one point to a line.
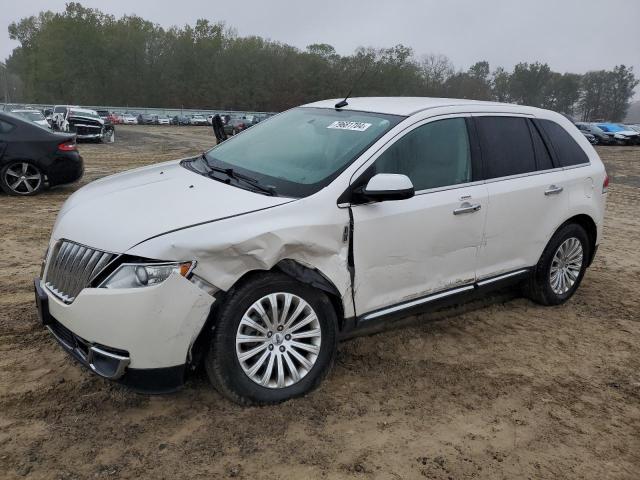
71	267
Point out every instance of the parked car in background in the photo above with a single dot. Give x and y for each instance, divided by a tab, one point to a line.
198	120
181	120
129	119
600	135
620	134
635	128
48	115
115	118
162	120
592	138
104	115
109	135
256	257
32	115
146	119
32	157
235	125
84	122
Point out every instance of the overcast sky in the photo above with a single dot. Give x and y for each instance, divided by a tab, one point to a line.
570	35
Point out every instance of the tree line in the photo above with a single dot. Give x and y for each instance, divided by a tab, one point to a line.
84	56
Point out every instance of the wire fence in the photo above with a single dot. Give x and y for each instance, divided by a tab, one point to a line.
170	112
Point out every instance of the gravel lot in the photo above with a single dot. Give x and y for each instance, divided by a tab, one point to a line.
500	389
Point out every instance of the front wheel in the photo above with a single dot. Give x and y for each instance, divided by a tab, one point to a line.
561	267
274	339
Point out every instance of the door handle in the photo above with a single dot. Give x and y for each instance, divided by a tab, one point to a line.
467	207
553	190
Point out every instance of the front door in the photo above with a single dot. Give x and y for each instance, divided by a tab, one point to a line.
407	249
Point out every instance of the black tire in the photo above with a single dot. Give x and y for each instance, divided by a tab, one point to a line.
221	362
6	176
538	288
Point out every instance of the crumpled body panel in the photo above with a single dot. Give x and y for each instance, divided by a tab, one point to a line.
227	249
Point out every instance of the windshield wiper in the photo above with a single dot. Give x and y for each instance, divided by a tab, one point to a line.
231	173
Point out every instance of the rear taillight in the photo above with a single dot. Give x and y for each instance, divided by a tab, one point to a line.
68	146
605	184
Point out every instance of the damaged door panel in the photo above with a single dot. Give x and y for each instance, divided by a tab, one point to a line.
410	248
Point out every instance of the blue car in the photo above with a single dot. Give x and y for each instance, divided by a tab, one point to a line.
620	134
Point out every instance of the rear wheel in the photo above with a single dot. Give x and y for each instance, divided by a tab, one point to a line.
274	339
21	178
561	267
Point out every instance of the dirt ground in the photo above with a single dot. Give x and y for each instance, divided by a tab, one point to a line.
504	390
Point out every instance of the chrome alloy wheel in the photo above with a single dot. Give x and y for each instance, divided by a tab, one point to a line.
566	266
22	178
278	340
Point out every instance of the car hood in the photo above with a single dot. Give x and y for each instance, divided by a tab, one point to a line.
120	211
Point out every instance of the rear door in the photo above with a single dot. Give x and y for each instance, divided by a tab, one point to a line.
527	197
407	249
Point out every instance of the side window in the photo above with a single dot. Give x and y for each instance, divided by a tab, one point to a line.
567	150
5	127
543	157
506	146
434	155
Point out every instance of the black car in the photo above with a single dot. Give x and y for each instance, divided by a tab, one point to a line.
601	137
32	157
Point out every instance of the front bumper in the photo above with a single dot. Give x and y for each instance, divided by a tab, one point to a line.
138	337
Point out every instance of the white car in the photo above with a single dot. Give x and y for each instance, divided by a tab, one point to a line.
129	119
198	120
163	120
258	255
84	122
33	115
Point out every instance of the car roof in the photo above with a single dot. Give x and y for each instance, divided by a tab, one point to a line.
405	105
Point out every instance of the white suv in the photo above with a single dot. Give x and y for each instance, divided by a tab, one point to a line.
257	256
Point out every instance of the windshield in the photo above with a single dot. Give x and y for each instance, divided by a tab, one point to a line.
302	150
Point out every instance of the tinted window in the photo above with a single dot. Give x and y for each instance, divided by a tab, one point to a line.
434	155
300	151
543	157
506	146
567	150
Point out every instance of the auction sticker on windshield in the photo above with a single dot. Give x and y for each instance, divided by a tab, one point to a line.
355	126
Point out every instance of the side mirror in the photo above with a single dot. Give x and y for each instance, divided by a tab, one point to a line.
388	186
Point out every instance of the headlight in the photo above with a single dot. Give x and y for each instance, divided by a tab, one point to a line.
620	136
136	275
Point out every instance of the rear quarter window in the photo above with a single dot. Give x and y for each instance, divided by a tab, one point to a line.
567	150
